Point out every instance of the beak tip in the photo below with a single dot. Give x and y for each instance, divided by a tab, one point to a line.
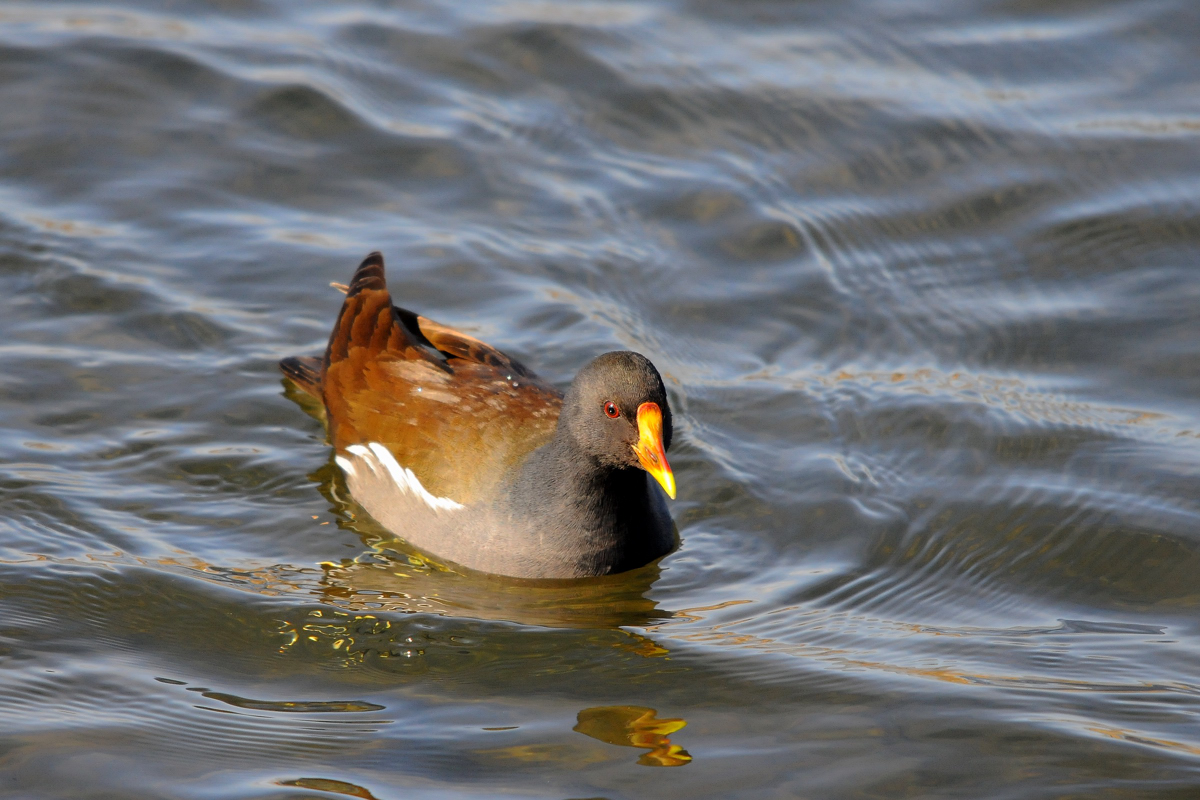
667	481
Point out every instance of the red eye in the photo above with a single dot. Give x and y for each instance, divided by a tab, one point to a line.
610	408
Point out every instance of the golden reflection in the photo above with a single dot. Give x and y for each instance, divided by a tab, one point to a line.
693	614
635	726
302	706
355	637
330	785
69	227
1126	735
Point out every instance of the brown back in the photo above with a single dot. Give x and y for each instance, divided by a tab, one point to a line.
457	412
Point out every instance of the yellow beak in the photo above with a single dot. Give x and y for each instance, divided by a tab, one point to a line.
649	447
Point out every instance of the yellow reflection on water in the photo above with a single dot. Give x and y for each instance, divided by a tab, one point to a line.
1127	735
330	785
635	726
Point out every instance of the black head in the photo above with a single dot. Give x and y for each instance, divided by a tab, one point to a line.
601	413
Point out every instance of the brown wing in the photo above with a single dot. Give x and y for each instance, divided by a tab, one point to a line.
457	412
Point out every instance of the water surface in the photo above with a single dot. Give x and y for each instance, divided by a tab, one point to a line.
918	275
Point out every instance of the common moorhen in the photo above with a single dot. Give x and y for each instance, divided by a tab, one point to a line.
463	452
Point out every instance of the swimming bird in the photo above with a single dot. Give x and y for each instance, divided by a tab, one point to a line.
463	452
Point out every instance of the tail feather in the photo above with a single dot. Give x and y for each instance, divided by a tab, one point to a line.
369	275
368	322
305	372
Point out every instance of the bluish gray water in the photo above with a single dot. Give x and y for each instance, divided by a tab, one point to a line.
921	279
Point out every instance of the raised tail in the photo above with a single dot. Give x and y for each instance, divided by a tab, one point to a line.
307	372
369	327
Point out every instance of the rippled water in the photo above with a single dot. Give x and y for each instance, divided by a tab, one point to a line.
920	277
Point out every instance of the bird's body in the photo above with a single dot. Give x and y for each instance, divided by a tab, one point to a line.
465	453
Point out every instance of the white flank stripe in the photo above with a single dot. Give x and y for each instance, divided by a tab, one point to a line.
379	459
406	479
365	455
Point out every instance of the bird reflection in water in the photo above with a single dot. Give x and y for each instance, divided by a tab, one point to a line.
394	582
635	726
